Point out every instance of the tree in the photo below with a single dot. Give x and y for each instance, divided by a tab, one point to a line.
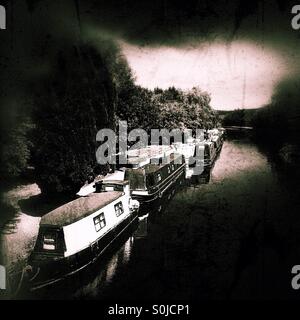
134	103
184	110
72	105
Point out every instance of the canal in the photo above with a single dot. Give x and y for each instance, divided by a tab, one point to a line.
235	236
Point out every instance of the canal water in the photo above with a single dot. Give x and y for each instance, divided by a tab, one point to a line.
232	234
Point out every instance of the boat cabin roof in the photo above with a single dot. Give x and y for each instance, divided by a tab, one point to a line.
139	158
79	208
152	167
116	182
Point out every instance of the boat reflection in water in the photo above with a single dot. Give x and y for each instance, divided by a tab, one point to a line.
202	178
93	280
142	230
98	276
118	262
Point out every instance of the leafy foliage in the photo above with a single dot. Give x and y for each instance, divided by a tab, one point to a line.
183	110
75	103
15	149
171	108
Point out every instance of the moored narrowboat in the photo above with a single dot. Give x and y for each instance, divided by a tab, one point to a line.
216	137
152	183
210	153
187	150
200	154
153	174
205	153
77	233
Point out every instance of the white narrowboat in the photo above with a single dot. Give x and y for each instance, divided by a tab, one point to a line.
77	233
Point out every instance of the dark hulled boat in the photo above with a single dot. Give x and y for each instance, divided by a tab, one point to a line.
77	233
153	183
153	174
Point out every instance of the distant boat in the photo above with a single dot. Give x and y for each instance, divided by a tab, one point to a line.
75	234
216	136
205	151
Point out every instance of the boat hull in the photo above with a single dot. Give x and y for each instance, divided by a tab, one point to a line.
155	201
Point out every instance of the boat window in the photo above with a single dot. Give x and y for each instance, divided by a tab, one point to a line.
172	167
49	241
169	170
158	176
119	208
99	222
